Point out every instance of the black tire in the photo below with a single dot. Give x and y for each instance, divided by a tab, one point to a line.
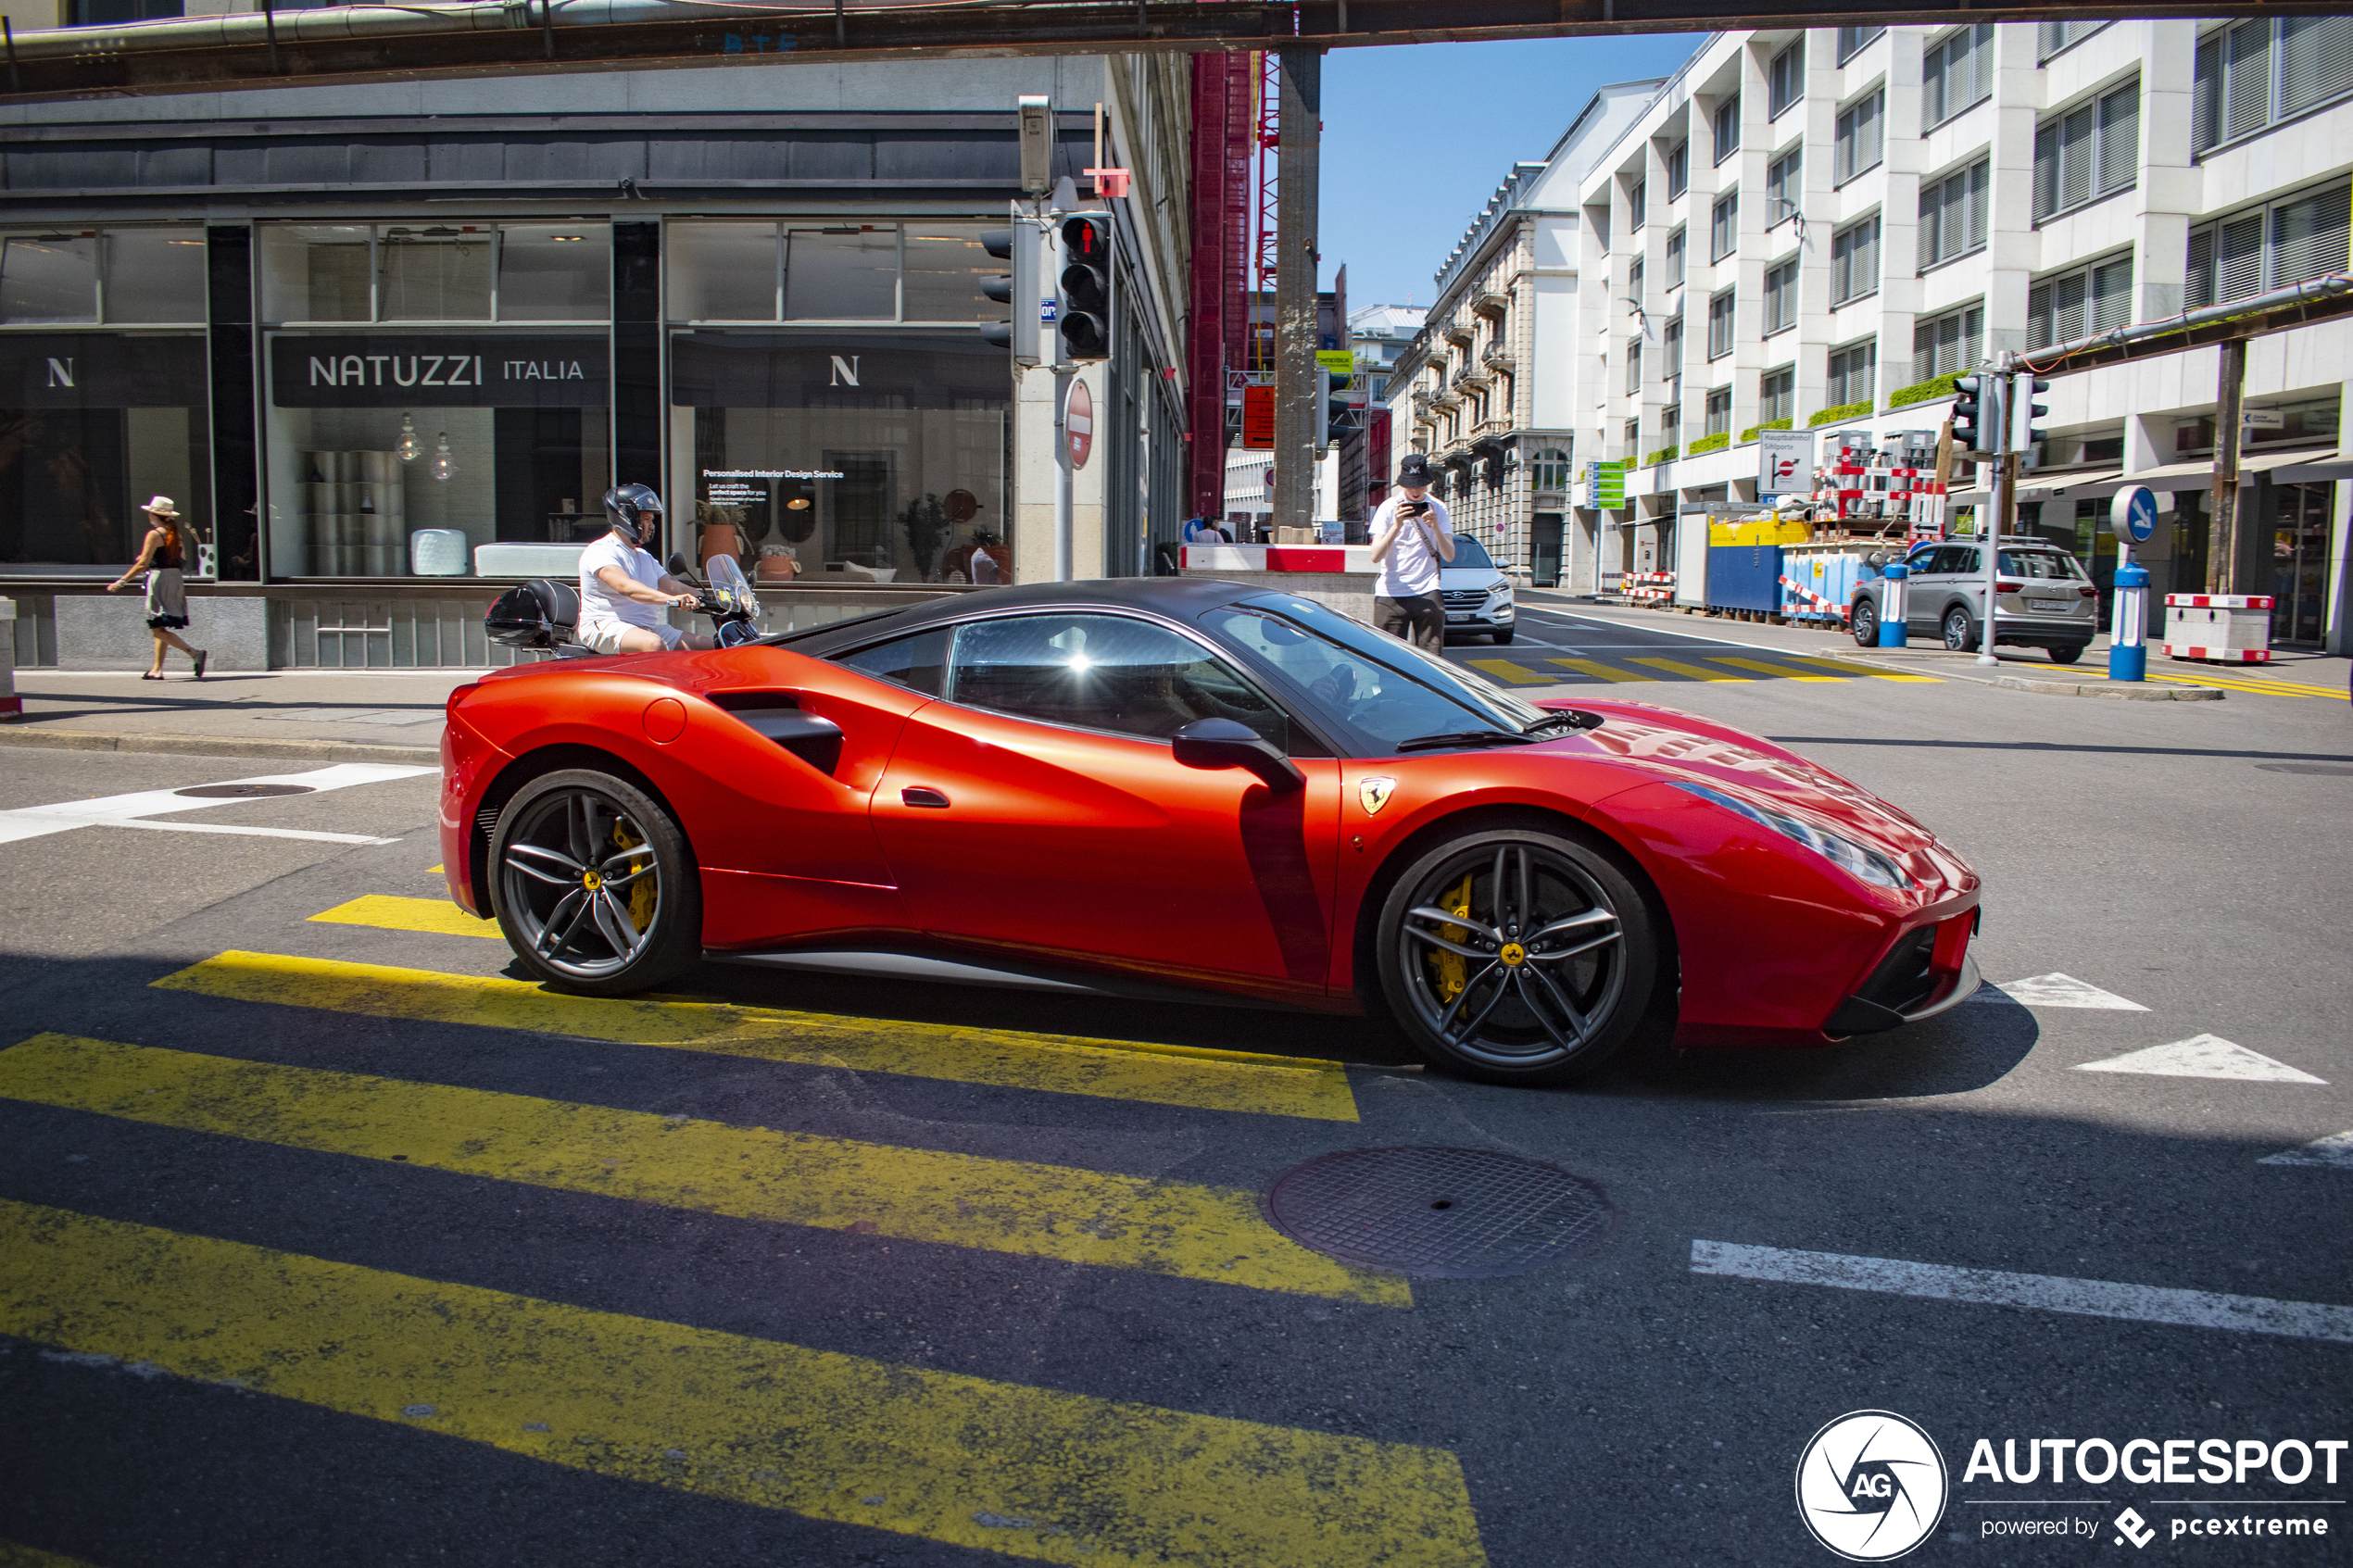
566	847
2067	653
1866	624
1548	1018
1960	634
1503	637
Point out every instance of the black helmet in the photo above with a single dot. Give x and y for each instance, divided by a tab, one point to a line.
627	506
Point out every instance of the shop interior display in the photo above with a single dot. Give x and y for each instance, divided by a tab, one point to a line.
355	514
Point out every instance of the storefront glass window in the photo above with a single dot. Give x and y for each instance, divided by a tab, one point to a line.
316	272
435	274
842	457
723	271
155	274
842	274
730	271
49	278
943	271
555	273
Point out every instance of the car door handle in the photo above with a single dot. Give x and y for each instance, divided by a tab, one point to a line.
920	795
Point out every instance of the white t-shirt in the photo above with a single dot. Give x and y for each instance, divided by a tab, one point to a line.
600	603
1410	569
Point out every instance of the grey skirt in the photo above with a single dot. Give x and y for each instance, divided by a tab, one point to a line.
166	598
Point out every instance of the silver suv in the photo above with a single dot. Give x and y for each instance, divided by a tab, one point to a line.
2043	598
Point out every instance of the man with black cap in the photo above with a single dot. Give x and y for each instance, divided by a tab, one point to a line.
1412	535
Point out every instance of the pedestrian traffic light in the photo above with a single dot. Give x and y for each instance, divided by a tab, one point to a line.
1084	317
1979	420
1017	288
2025	411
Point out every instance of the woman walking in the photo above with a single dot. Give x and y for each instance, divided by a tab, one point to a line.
162	559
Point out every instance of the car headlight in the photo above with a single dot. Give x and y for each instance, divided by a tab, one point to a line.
1499	590
1867	865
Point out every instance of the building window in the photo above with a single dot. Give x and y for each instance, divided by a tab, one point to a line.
1862	138
1633	439
1549	468
1719	411
1784	183
438	272
1949	343
1952	214
1855	263
2088	152
1720	325
1852	41
1786	79
2089	299
2274	247
736	271
113	13
1633	366
1670	345
1671	425
2259	72
1675	270
115	277
1957	74
1638	203
1777	395
1780	297
2052	37
1727	128
1852	371
1724	226
1678	169
1634	290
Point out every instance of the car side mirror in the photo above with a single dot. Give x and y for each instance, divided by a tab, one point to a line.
1224	743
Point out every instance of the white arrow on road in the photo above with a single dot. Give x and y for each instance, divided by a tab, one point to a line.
2060	991
2203	1056
2334	1152
129	810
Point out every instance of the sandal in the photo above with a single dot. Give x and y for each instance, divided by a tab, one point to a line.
202	655
152	675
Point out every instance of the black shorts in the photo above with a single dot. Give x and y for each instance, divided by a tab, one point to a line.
1421	620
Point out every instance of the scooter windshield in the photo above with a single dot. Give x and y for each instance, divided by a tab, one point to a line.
727	579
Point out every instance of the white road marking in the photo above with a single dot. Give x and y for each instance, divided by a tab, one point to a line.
392	717
2060	991
2334	1152
33	821
2049	1293
2203	1056
238	832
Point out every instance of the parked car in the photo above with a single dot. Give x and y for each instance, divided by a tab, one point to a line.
1477	593
2043	598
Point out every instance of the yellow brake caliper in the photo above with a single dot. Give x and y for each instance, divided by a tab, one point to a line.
1452	973
642	892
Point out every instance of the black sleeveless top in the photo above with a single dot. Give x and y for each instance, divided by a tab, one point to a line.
169	555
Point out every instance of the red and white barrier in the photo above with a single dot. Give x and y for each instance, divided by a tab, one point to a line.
1277	557
2223	628
1652	587
1820	605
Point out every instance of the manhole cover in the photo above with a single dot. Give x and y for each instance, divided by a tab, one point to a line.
242	792
1444	1213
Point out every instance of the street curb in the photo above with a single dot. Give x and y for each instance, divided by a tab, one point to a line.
2120	692
212	746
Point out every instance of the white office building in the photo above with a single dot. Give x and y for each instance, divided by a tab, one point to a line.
1820	229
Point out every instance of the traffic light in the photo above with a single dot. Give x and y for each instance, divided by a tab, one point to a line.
1084	317
1017	288
1980	413
2024	432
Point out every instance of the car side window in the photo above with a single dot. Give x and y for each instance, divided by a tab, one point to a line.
1956	558
918	662
1103	672
1924	559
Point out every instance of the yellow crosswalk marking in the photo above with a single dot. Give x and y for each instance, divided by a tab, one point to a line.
1509	673
1037	1472
1273	1085
14	1554
1779	672
2264	685
437	917
1842	667
1033	1211
1599	671
1689	671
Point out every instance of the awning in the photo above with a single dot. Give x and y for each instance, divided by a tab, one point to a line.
2069	486
2285	467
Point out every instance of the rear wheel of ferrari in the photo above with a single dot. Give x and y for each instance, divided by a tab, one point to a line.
593	885
1517	957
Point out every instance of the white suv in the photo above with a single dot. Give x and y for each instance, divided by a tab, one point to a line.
1477	596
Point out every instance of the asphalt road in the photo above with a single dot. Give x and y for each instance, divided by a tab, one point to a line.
269	1307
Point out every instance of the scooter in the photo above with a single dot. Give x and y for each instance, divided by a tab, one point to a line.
544	616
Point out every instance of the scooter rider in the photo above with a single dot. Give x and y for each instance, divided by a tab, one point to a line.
623	590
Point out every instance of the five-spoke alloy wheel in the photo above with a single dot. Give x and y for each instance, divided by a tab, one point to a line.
593	884
1517	956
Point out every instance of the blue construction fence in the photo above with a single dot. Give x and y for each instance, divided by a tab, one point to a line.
1769	580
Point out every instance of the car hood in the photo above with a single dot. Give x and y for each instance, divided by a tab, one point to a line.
1469	577
1683	747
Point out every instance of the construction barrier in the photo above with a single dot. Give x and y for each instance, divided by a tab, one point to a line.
1649	587
2223	628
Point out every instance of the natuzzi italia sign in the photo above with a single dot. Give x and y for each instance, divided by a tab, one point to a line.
442	370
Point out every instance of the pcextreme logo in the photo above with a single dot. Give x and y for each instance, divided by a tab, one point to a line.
1871	1486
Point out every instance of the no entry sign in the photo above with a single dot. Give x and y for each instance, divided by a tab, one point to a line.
1079	419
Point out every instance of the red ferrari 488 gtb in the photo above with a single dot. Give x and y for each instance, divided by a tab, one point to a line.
1187	787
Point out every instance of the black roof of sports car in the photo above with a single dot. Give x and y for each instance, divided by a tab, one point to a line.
1179	599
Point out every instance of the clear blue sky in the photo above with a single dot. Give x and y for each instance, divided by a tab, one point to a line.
1417	137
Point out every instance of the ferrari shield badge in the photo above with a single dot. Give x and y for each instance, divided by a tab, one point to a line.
1375	793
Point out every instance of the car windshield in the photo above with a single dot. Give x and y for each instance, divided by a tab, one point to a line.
2048	565
1471	552
1385	688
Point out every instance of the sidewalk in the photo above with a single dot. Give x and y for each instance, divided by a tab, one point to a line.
308	715
2294	673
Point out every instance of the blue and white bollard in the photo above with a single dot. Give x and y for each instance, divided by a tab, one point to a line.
1891	604
2128	653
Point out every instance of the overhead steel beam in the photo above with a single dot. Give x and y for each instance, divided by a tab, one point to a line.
363	44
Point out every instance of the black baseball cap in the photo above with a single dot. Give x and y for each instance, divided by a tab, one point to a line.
1413	469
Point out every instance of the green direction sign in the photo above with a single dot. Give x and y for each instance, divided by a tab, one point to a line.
1608	484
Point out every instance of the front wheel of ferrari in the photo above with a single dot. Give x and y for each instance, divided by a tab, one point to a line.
593	885
1515	955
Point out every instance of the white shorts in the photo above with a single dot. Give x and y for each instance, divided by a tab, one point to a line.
605	635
